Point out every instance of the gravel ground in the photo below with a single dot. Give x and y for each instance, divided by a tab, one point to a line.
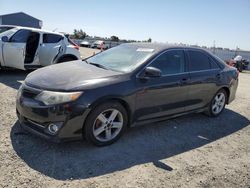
190	151
87	52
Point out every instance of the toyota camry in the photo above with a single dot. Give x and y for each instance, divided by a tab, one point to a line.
131	84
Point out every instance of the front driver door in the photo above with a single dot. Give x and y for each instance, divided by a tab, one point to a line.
51	48
165	95
14	49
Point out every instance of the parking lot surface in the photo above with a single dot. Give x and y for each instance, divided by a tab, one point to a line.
87	52
189	151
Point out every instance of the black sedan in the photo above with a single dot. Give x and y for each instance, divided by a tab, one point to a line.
131	84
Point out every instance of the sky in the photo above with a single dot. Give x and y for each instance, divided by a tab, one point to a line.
196	22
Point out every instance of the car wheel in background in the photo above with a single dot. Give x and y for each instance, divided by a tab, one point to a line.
105	124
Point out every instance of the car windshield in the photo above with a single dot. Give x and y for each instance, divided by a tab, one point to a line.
123	58
3	29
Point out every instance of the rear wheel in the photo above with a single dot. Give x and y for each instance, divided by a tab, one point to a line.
105	124
218	103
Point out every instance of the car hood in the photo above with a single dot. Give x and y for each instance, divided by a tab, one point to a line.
70	76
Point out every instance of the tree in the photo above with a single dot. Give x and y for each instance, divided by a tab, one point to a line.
149	40
114	38
79	34
82	34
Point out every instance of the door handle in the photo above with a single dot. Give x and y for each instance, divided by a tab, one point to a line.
60	49
184	81
218	76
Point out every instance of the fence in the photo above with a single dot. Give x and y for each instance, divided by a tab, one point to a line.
224	54
229	54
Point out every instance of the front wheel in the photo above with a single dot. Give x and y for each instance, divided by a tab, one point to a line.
218	103
105	124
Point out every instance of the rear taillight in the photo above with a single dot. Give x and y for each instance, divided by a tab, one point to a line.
76	47
73	44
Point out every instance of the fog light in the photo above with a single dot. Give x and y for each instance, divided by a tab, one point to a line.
53	128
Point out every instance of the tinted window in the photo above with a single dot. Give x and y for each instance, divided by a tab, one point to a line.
171	62
198	61
20	36
51	38
214	65
219	61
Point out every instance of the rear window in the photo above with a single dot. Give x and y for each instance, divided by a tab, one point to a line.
51	38
214	65
198	61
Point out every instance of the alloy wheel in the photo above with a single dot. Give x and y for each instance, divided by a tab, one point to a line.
218	103
108	125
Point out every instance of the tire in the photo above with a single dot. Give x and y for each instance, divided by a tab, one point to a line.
65	59
214	111
105	123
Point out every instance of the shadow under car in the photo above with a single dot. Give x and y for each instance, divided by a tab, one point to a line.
139	145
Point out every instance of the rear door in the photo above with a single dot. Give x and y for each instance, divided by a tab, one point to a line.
165	95
51	48
14	50
204	76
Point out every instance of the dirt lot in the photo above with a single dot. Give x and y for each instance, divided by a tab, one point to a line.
87	52
190	151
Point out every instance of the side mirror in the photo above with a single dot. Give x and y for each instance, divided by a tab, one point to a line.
5	39
152	72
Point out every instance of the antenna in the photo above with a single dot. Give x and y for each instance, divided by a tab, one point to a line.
55	29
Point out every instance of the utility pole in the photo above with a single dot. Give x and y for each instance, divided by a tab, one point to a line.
236	51
214	48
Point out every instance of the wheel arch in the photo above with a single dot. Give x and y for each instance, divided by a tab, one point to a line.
115	99
73	57
227	91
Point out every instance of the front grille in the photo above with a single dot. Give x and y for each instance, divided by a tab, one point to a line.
28	94
35	123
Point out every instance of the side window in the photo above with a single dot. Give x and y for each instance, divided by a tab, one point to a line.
170	62
198	61
214	65
51	38
20	36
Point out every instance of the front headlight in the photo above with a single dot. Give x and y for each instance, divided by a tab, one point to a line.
50	97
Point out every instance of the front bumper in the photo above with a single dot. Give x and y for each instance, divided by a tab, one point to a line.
36	130
35	117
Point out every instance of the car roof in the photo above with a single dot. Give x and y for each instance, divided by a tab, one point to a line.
32	29
158	47
7	25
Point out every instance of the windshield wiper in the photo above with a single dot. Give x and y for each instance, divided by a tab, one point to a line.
86	61
97	65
